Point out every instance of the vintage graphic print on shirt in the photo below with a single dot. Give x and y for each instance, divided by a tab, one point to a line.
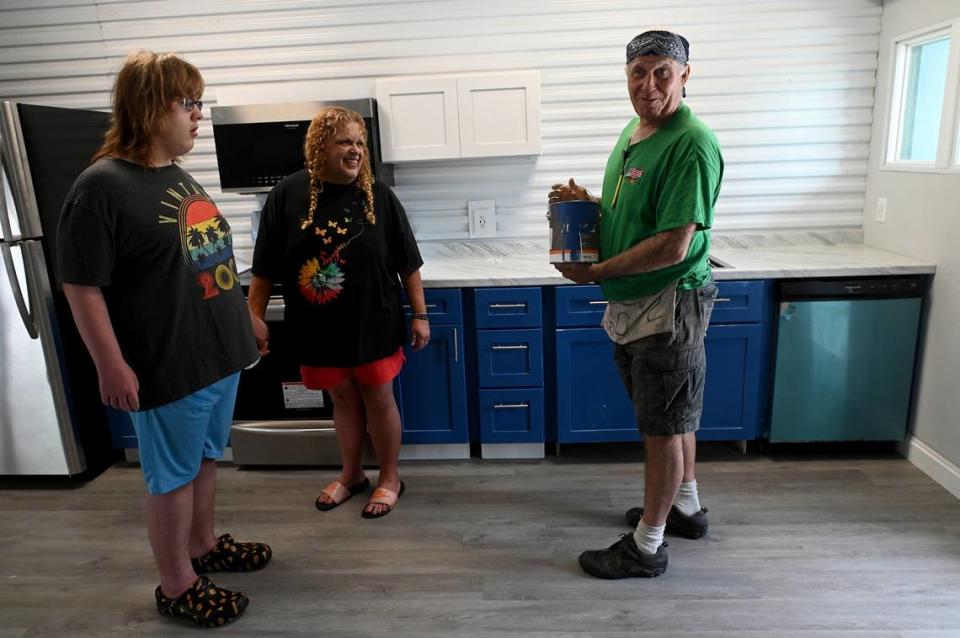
322	277
205	238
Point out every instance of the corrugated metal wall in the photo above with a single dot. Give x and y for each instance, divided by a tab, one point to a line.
788	85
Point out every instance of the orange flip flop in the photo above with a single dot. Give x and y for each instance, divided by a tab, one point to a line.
340	493
383	496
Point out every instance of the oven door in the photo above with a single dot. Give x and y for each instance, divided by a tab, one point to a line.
276	420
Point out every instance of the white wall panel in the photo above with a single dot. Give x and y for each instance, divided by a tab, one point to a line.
788	86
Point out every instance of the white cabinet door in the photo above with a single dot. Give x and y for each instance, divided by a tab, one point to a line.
499	114
418	118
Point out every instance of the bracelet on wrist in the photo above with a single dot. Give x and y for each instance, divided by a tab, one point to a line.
422	316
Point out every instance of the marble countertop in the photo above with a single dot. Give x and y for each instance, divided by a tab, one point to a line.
524	263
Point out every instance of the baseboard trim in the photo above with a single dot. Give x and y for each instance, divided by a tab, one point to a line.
500	451
932	463
434	451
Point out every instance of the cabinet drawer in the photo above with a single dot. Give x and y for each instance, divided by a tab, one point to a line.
510	358
444	305
739	302
736	302
513	415
508	307
122	432
580	306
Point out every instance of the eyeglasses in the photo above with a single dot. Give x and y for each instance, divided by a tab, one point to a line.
188	103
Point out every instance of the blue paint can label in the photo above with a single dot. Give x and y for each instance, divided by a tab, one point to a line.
574	232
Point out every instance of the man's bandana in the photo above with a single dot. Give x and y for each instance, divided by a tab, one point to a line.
660	43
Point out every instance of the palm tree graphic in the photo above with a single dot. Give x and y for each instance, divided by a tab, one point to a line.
195	238
224	229
212	238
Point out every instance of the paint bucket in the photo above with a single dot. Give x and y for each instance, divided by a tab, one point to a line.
574	232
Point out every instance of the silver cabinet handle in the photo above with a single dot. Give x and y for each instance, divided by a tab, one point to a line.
508	305
511	406
597	303
722	299
456	347
429	306
516	347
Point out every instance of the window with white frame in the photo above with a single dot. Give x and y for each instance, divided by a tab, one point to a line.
956	143
923	132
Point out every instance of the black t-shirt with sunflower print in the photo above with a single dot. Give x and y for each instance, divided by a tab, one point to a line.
339	275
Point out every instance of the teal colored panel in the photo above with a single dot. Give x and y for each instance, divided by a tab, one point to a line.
844	369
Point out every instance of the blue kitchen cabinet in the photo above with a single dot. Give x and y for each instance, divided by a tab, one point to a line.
510	374
736	393
510	358
511	415
592	404
731	394
432	388
122	434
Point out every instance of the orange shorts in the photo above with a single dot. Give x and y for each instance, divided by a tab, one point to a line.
374	373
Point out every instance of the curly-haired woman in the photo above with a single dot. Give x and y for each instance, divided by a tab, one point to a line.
340	246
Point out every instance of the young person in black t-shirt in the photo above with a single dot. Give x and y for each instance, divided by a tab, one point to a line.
146	263
341	246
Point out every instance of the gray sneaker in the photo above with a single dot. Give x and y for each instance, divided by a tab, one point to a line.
678	523
624	559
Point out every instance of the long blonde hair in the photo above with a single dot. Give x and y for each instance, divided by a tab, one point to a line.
145	86
324	126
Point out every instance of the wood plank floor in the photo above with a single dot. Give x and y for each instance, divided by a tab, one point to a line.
804	546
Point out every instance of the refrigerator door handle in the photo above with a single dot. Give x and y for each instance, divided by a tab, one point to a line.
6	229
28	321
17	168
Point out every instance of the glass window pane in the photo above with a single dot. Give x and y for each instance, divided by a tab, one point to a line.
923	101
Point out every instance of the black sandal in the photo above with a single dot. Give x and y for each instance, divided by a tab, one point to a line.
230	556
204	604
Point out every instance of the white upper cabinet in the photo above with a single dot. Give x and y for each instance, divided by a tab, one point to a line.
482	115
418	118
499	114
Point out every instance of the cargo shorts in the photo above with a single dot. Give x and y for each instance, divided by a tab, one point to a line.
664	374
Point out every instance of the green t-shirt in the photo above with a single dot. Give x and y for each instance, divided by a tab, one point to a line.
666	181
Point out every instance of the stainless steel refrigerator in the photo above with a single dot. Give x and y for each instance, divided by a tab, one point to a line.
51	420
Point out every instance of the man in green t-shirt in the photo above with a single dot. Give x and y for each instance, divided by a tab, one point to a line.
659	190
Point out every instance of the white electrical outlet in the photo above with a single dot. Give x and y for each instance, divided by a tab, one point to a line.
881	209
482	217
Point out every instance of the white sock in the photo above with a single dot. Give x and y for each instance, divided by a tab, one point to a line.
648	537
687	500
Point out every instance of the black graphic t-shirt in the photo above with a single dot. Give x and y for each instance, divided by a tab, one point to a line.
162	254
339	275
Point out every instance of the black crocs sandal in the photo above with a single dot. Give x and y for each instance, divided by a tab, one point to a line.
230	556
204	604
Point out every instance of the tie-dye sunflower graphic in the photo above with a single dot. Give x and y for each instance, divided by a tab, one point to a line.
320	284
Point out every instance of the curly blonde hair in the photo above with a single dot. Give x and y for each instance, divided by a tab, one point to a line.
324	126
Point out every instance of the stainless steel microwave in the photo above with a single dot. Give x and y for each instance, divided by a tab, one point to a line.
260	144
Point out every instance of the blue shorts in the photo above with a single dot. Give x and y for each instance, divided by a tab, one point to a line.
174	438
